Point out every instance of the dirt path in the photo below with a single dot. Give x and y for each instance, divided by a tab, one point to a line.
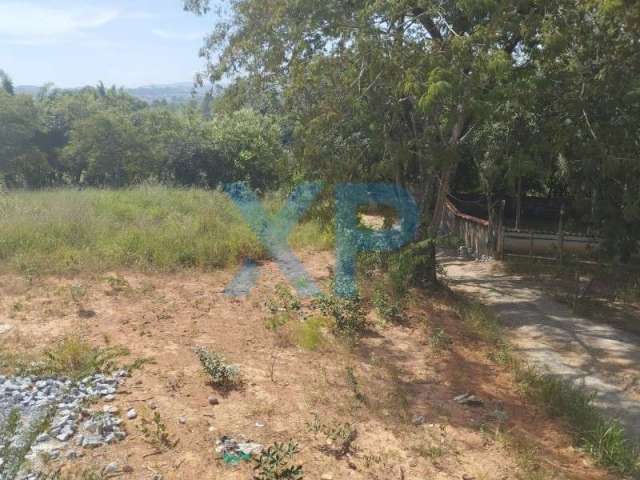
596	356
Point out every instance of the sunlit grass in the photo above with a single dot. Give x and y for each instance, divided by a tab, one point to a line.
147	228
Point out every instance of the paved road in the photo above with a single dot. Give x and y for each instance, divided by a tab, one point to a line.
596	356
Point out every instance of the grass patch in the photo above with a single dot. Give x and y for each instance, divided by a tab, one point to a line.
308	334
149	228
72	357
603	438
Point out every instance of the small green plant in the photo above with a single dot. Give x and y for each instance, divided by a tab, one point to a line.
155	433
347	312
276	463
407	268
117	284
388	309
340	435
283	300
78	292
432	452
221	373
439	340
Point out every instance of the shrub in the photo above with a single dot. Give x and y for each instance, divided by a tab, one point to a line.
276	463
220	372
283	300
347	312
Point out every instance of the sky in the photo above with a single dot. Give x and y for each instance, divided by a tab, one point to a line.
74	43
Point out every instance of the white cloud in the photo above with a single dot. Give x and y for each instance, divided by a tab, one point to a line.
173	35
30	23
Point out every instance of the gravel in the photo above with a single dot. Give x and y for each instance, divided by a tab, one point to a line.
63	402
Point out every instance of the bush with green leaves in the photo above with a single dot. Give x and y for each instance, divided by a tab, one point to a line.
412	267
276	463
221	373
283	300
347	312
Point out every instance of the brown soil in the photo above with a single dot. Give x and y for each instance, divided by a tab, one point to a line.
399	374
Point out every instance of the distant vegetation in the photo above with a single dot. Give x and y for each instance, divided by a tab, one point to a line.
105	137
171	94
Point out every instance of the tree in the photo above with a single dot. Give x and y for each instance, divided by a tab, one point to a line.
22	162
106	149
379	90
589	92
6	83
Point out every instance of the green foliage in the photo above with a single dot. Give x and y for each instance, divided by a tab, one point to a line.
277	321
307	333
412	267
277	463
105	137
340	435
219	371
283	300
347	313
155	433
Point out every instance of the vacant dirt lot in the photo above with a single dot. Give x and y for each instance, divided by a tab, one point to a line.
398	397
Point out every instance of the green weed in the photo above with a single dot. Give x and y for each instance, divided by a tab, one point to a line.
221	373
276	463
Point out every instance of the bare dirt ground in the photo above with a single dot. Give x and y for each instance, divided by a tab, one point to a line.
399	375
597	356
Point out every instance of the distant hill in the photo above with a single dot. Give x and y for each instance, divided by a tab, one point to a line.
176	93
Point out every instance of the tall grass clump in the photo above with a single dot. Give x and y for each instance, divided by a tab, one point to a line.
150	227
603	438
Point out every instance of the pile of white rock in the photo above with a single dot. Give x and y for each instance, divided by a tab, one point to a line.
65	402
